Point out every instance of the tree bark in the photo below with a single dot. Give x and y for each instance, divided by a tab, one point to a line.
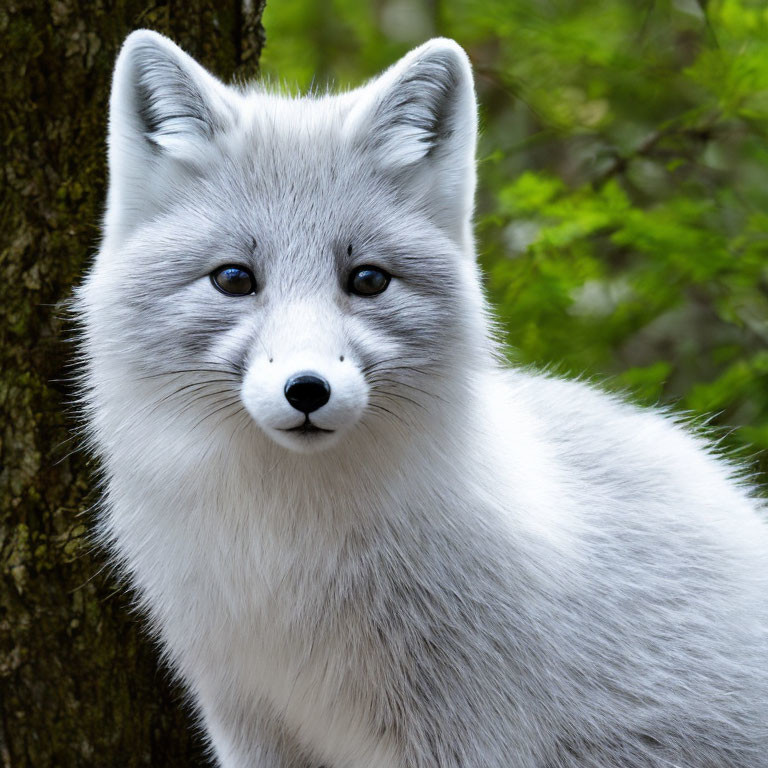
80	683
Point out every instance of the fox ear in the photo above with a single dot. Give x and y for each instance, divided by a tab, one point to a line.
419	121
165	113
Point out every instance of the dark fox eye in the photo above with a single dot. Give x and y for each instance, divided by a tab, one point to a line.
234	280
368	281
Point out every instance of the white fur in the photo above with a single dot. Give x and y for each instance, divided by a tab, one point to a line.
479	567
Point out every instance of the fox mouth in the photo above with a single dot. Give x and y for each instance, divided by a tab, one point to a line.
307	428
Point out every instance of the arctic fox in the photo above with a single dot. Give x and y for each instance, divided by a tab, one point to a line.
363	541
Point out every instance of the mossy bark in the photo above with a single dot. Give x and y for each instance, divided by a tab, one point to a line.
80	684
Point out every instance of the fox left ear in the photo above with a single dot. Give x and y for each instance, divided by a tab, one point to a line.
166	113
419	121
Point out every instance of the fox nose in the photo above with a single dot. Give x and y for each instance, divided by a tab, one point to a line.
307	392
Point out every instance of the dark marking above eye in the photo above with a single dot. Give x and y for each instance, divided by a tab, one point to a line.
234	280
349	250
368	280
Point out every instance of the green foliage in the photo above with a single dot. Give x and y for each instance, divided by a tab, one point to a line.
623	205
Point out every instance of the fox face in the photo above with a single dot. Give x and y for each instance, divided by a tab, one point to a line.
306	261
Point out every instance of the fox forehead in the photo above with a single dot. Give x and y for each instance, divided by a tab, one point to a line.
279	139
286	204
303	176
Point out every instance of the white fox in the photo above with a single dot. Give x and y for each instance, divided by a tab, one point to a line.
364	542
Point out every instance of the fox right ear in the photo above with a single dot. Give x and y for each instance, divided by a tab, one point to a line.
418	123
165	114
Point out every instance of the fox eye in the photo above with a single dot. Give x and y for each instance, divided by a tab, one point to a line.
368	281
234	280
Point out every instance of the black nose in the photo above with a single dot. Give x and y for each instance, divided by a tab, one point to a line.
307	392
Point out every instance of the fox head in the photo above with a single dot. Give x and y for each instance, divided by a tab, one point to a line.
305	263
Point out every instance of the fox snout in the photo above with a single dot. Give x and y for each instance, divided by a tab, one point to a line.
304	400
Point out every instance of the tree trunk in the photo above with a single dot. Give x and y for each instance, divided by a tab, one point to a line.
80	683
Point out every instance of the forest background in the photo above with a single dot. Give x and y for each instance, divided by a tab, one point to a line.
622	223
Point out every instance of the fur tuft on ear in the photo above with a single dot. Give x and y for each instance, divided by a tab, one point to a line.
169	103
166	94
416	116
165	109
419	121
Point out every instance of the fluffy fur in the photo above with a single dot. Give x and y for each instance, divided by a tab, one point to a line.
478	567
